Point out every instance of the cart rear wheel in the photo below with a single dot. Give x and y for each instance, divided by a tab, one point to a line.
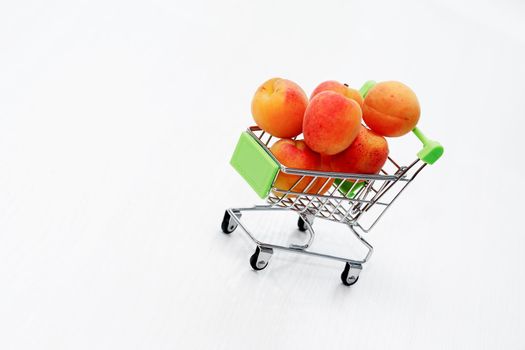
259	260
350	274
228	224
301	224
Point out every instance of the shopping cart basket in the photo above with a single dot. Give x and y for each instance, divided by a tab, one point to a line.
356	200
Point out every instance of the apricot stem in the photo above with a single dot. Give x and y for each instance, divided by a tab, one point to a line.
366	87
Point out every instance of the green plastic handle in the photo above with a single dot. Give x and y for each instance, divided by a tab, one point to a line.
254	164
431	151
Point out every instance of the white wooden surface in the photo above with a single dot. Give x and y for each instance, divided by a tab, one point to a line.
117	120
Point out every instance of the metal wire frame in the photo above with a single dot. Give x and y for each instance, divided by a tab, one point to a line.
336	205
236	214
375	195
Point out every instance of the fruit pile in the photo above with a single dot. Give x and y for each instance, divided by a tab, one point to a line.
331	122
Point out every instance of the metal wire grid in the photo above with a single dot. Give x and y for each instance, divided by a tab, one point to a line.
377	191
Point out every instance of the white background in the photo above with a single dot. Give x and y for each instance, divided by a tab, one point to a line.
117	122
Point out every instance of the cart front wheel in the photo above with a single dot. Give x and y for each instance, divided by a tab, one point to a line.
228	224
259	259
350	274
301	224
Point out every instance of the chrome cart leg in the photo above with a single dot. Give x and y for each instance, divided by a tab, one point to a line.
350	274
306	221
259	260
364	242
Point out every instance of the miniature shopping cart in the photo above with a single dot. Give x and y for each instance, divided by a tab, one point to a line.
356	200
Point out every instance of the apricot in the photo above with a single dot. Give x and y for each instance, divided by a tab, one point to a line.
278	107
366	155
391	109
343	89
294	154
331	122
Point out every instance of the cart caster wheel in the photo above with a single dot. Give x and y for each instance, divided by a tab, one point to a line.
350	274
259	259
301	224
228	224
